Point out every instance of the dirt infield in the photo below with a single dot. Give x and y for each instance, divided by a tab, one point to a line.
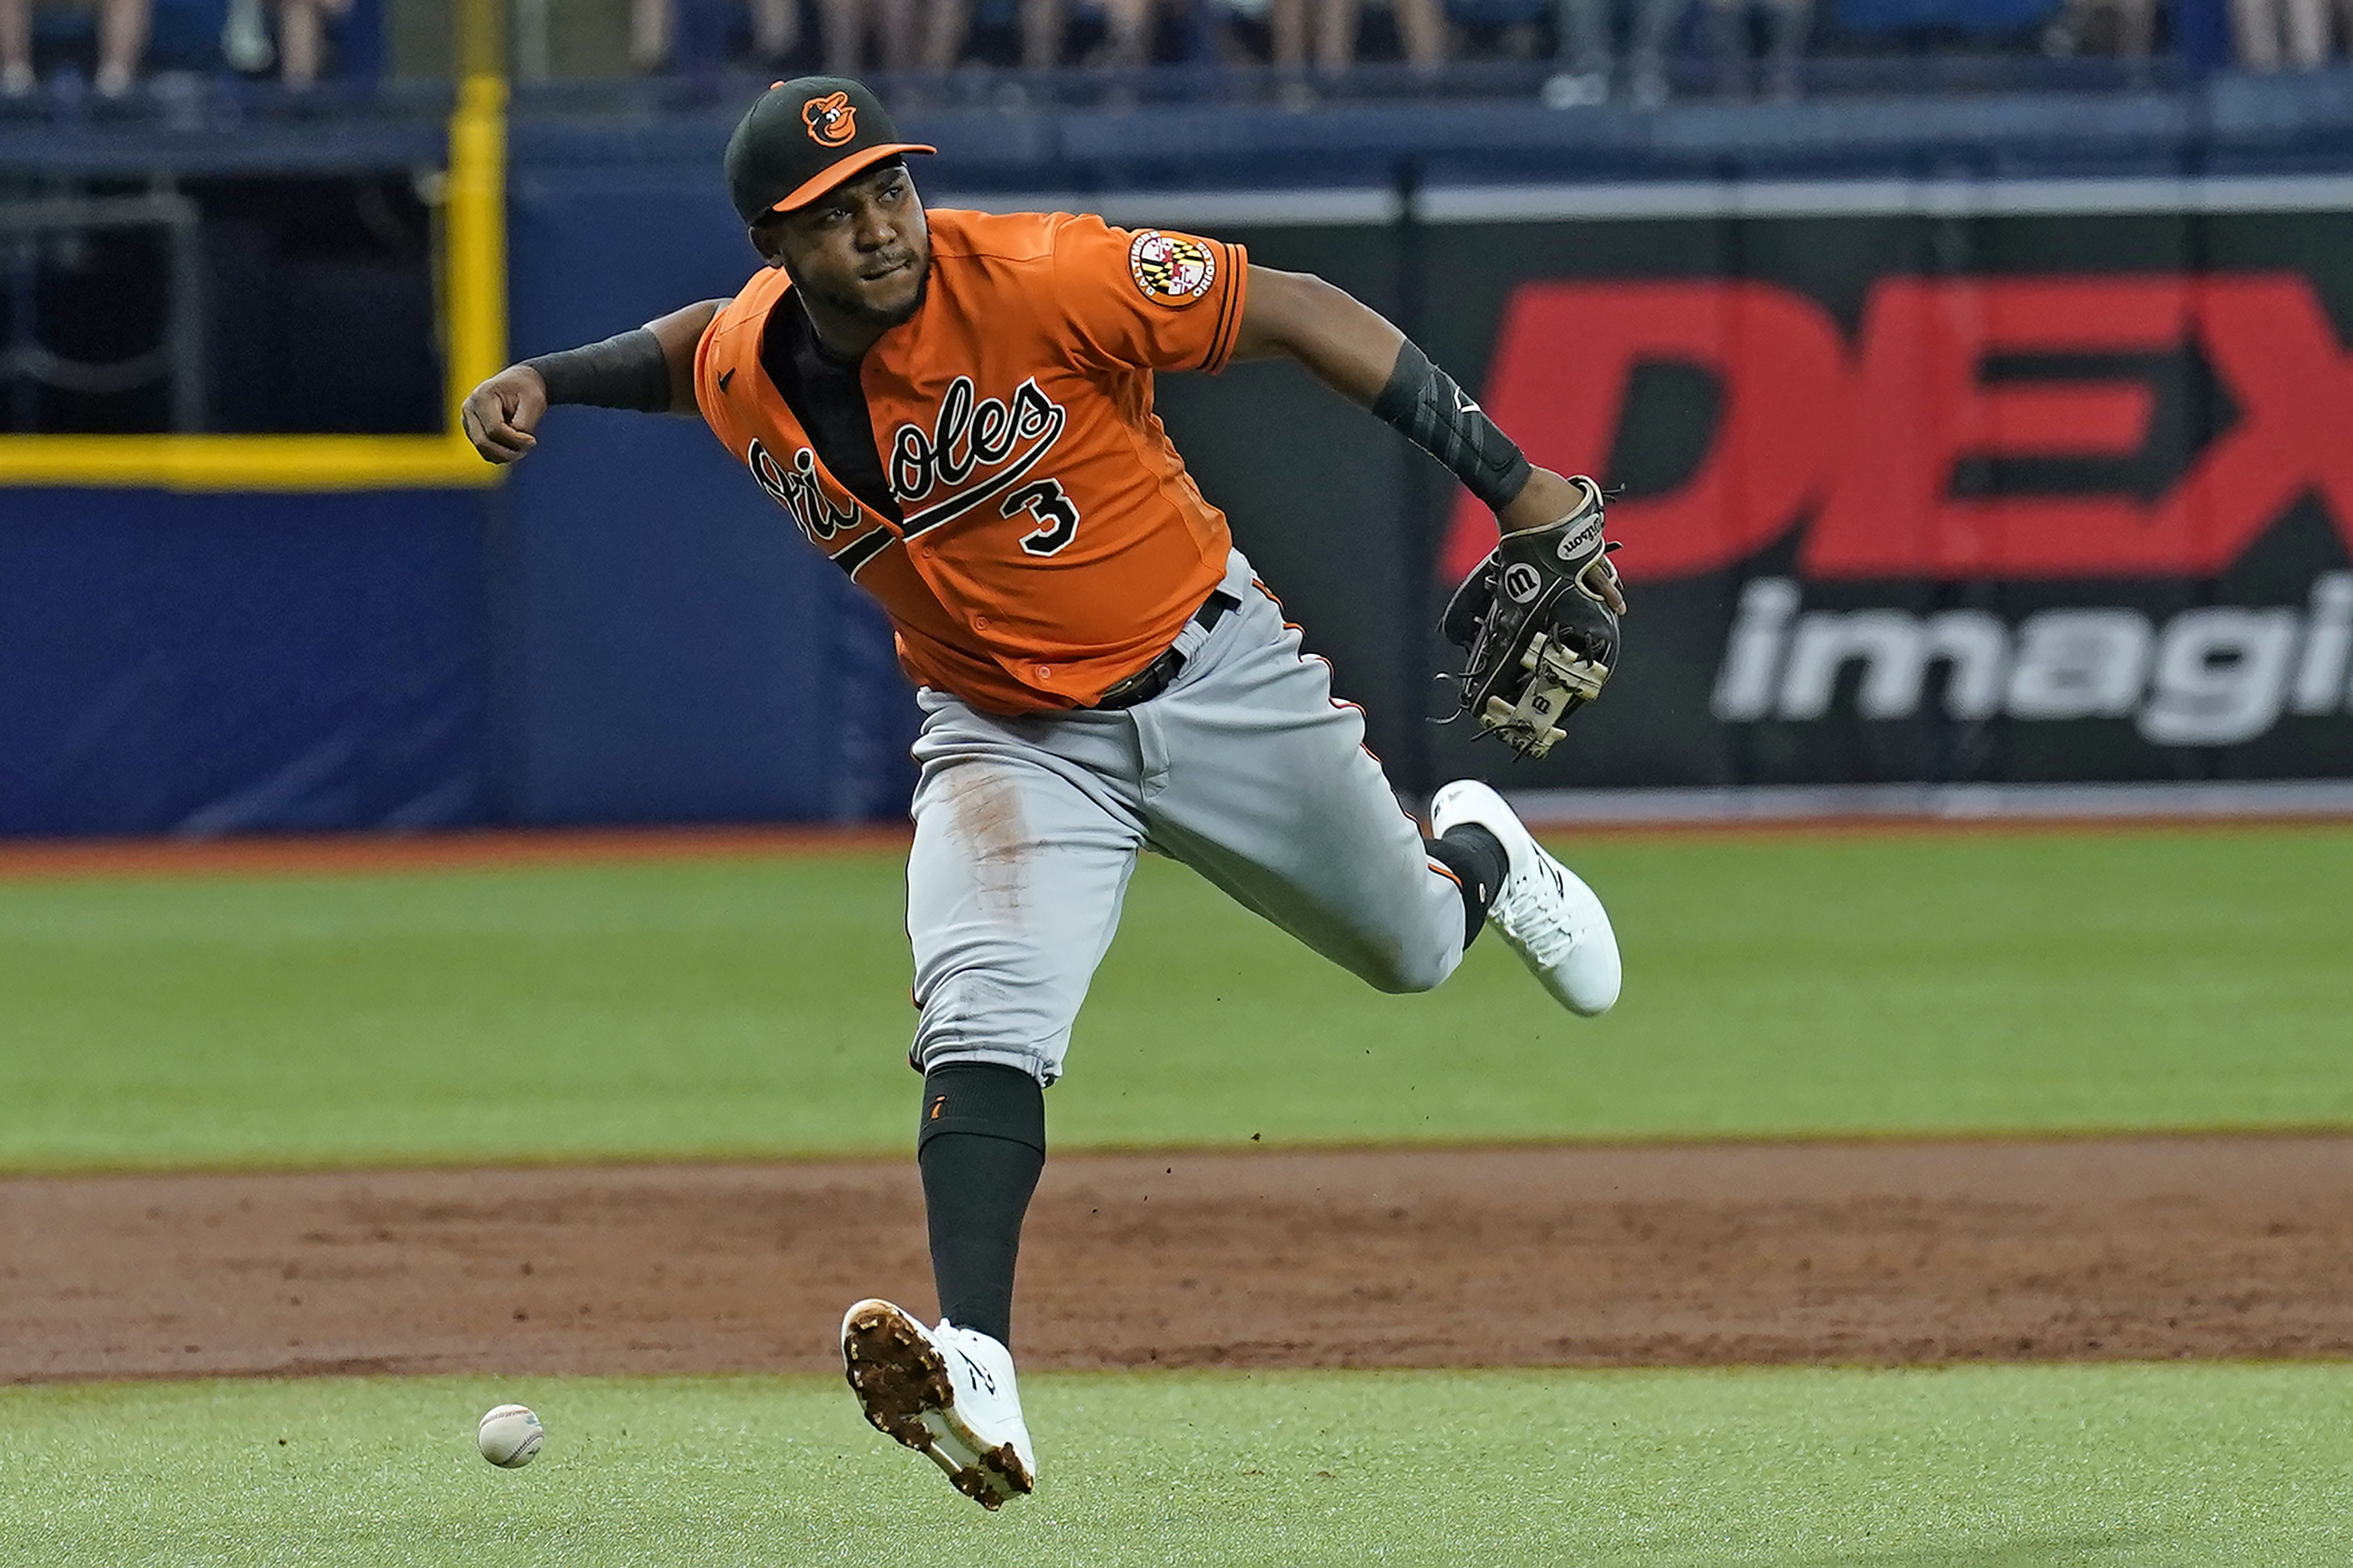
1959	1251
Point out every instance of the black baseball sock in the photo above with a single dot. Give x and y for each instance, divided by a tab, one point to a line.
981	1145
1477	859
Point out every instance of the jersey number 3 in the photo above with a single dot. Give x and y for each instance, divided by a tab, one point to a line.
1057	519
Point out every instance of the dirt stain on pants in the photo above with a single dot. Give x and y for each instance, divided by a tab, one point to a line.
986	805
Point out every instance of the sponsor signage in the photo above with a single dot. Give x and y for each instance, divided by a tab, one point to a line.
2215	675
1919	496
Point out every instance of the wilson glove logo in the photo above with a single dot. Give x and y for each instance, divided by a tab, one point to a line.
1577	545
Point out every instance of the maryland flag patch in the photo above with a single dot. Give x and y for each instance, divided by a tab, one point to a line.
1170	269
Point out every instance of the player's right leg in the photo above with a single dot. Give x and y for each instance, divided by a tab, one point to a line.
1021	859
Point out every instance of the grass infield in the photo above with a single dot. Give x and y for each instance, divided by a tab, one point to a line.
1776	985
2047	1467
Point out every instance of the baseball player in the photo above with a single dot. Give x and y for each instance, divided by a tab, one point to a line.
956	408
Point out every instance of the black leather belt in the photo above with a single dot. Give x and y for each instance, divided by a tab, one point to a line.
1157	677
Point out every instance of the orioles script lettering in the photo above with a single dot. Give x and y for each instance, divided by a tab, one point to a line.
969	435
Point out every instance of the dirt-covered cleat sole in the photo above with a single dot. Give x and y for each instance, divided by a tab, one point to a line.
902	1382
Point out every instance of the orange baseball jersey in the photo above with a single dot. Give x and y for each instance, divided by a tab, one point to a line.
1050	543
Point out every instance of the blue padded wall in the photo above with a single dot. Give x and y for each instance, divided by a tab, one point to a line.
680	653
219	664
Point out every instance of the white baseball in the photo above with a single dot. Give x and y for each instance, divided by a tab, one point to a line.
510	1435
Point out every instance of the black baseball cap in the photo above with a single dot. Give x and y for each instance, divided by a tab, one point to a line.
803	138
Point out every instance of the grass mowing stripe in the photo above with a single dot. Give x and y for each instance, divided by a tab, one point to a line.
1775	987
1970	1468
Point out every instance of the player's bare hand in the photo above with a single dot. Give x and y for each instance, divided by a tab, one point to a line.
1545	499
499	416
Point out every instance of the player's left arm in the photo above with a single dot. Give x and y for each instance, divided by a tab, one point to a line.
1350	348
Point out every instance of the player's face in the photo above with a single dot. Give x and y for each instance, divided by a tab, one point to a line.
862	248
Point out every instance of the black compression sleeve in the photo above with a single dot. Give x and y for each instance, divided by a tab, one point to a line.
1423	402
1479	863
623	372
981	1147
985	1098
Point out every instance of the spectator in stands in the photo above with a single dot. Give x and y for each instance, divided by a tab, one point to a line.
122	39
940	29
1251	31
302	38
1786	24
1496	30
2126	28
1129	26
17	77
1581	30
1333	23
860	31
775	30
1254	30
2257	25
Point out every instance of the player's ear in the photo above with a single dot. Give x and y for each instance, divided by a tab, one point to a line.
768	239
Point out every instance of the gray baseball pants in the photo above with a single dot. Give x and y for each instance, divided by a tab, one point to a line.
1245	769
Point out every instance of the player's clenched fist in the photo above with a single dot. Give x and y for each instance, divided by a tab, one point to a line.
501	415
650	369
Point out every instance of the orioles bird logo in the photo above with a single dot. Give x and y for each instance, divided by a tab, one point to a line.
831	120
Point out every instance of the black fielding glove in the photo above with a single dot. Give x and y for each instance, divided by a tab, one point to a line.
1541	638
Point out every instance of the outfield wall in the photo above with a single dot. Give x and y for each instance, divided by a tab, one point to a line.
211	664
1935	472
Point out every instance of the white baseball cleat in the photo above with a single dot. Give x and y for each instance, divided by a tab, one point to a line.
948	1393
1550	918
